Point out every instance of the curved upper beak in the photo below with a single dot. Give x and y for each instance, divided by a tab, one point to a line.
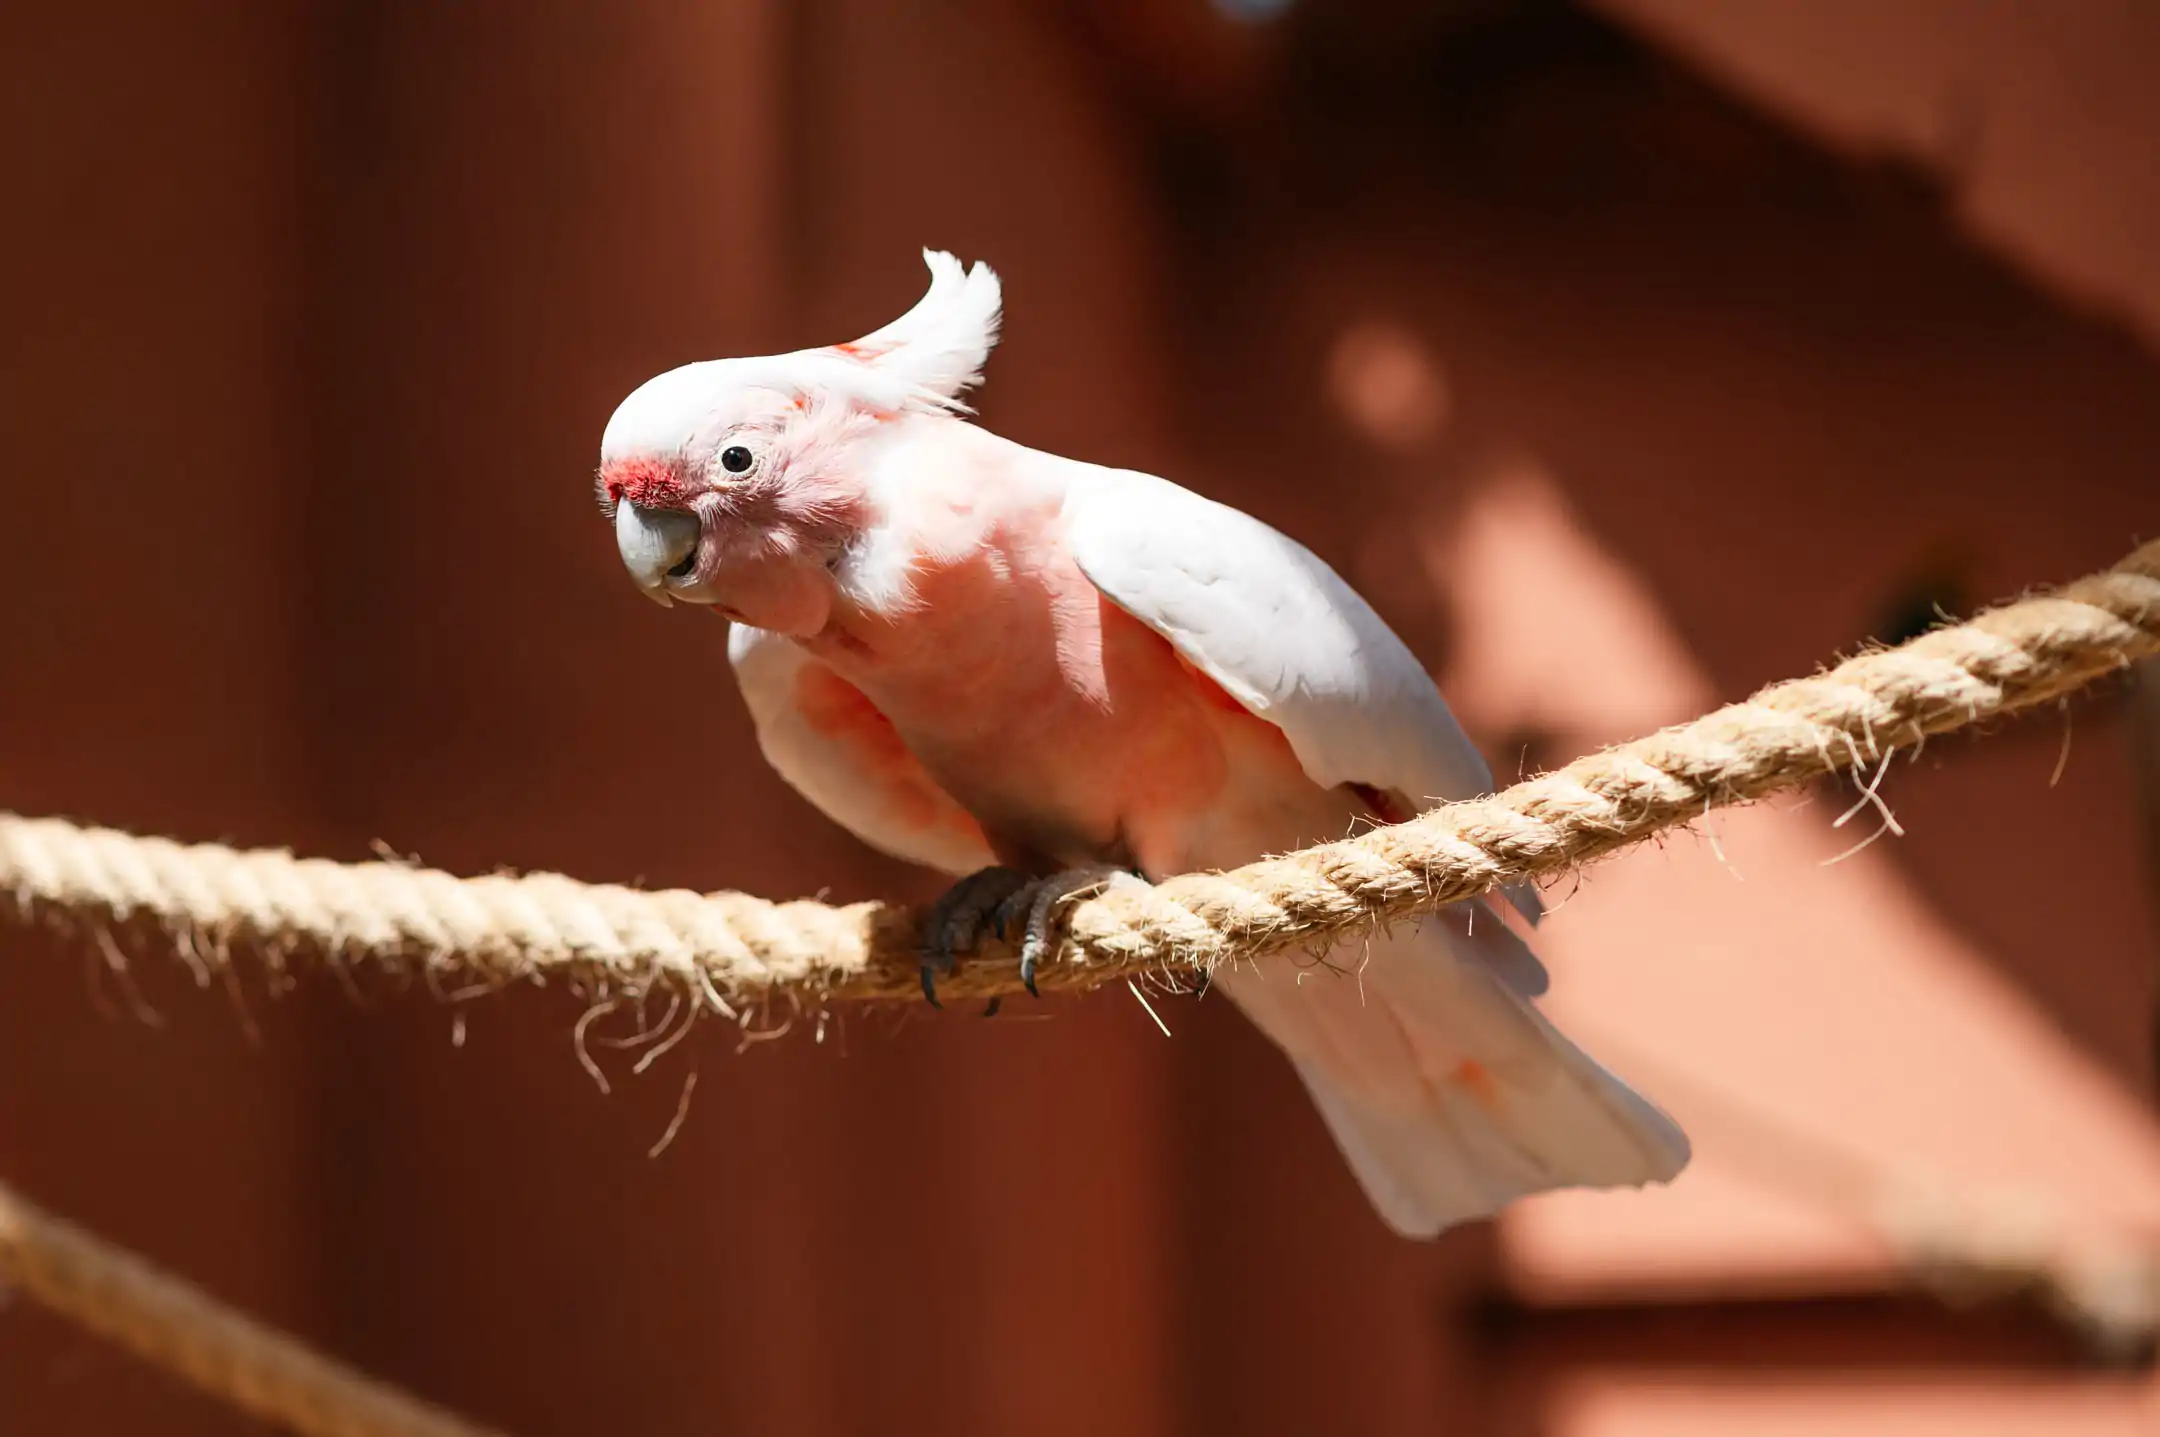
651	542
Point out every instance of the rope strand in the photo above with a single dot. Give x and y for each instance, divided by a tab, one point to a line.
728	950
734	952
166	1322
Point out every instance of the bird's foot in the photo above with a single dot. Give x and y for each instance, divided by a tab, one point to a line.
1010	904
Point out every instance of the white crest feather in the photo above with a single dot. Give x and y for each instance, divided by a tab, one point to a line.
937	349
920	363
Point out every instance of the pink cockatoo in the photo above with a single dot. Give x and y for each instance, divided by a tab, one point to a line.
1034	674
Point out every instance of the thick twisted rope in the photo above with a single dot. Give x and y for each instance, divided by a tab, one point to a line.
730	951
163	1320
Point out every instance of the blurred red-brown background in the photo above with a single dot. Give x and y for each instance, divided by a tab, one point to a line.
1628	355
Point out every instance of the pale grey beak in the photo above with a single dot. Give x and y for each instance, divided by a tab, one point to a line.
651	542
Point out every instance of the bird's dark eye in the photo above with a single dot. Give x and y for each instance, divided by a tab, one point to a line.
734	459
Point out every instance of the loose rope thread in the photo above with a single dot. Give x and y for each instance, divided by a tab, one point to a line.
156	1316
734	953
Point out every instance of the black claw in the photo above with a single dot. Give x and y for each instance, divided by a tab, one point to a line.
990	1009
1200	988
956	923
1012	910
959	920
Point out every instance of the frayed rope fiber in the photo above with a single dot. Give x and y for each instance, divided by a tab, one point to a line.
733	952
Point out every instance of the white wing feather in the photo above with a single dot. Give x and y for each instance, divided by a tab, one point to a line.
1279	630
1264	617
1448	1093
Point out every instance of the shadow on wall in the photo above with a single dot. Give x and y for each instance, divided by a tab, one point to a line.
1785	394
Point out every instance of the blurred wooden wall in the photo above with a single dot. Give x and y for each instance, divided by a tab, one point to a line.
314	315
154	550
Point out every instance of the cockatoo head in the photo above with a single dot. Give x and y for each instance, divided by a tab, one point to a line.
738	482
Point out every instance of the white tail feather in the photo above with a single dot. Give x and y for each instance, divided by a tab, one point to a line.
1449	1094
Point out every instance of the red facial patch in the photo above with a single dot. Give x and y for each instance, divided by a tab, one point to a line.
647	483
